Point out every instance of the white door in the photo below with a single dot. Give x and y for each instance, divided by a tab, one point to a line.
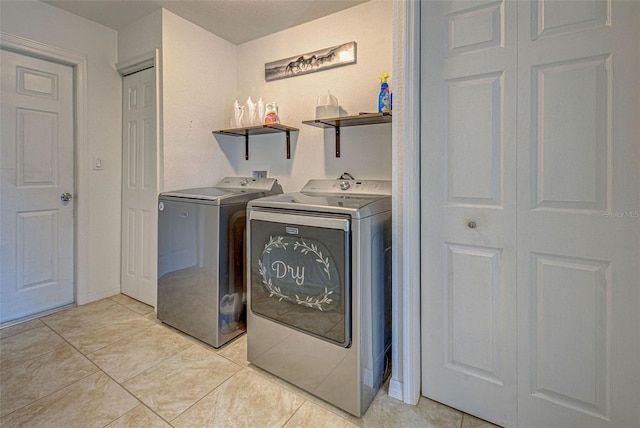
139	187
576	136
579	214
469	206
36	169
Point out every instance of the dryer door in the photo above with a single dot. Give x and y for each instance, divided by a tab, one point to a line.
300	272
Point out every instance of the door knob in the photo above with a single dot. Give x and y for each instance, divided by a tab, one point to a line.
66	197
472	224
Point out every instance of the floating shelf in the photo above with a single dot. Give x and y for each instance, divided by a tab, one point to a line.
273	128
358	120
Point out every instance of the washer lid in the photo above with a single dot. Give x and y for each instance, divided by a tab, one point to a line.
202	193
230	190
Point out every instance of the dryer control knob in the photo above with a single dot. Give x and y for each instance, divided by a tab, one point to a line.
345	185
244	182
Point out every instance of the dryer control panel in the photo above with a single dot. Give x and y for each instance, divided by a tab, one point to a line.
352	187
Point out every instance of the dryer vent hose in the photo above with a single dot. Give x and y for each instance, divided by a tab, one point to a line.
346	176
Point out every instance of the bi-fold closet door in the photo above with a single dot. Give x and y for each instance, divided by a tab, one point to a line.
530	210
139	186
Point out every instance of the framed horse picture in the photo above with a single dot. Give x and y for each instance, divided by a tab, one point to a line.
311	62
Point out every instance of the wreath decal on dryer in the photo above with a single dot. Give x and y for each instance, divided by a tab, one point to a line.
319	302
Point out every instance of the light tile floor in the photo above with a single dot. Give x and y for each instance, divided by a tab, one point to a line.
111	363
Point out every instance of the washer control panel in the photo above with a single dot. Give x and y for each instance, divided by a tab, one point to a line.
247	183
352	187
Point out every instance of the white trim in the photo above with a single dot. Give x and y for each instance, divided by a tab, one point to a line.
406	370
79	63
159	122
36	316
138	63
103	293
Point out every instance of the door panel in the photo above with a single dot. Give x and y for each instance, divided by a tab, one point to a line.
558	282
474	140
473	302
578	214
139	190
468	207
37	135
36	242
577	210
36	226
549	18
570	163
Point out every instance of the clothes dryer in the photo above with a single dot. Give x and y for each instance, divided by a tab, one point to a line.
320	288
201	255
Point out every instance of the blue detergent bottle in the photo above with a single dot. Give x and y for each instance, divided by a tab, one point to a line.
384	99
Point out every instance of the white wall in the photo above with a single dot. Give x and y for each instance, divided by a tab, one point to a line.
203	74
199	81
198	78
140	37
366	151
99	271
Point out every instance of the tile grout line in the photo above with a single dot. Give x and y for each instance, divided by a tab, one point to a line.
37	356
140	402
97	349
204	396
155	365
304	401
98	369
237	355
162	361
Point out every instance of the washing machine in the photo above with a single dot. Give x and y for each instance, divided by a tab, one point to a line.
319	272
201	257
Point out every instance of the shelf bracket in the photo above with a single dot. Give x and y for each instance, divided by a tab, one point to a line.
337	141
288	144
258	130
246	145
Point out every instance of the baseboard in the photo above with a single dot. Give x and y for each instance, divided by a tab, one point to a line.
395	389
98	295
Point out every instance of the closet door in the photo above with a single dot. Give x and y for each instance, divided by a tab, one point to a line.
139	187
468	201
578	214
573	149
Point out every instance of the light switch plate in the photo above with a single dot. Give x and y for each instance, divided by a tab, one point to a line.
98	163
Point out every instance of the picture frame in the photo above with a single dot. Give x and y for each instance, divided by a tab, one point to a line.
311	62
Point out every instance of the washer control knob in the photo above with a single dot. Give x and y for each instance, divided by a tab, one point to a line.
345	185
244	182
